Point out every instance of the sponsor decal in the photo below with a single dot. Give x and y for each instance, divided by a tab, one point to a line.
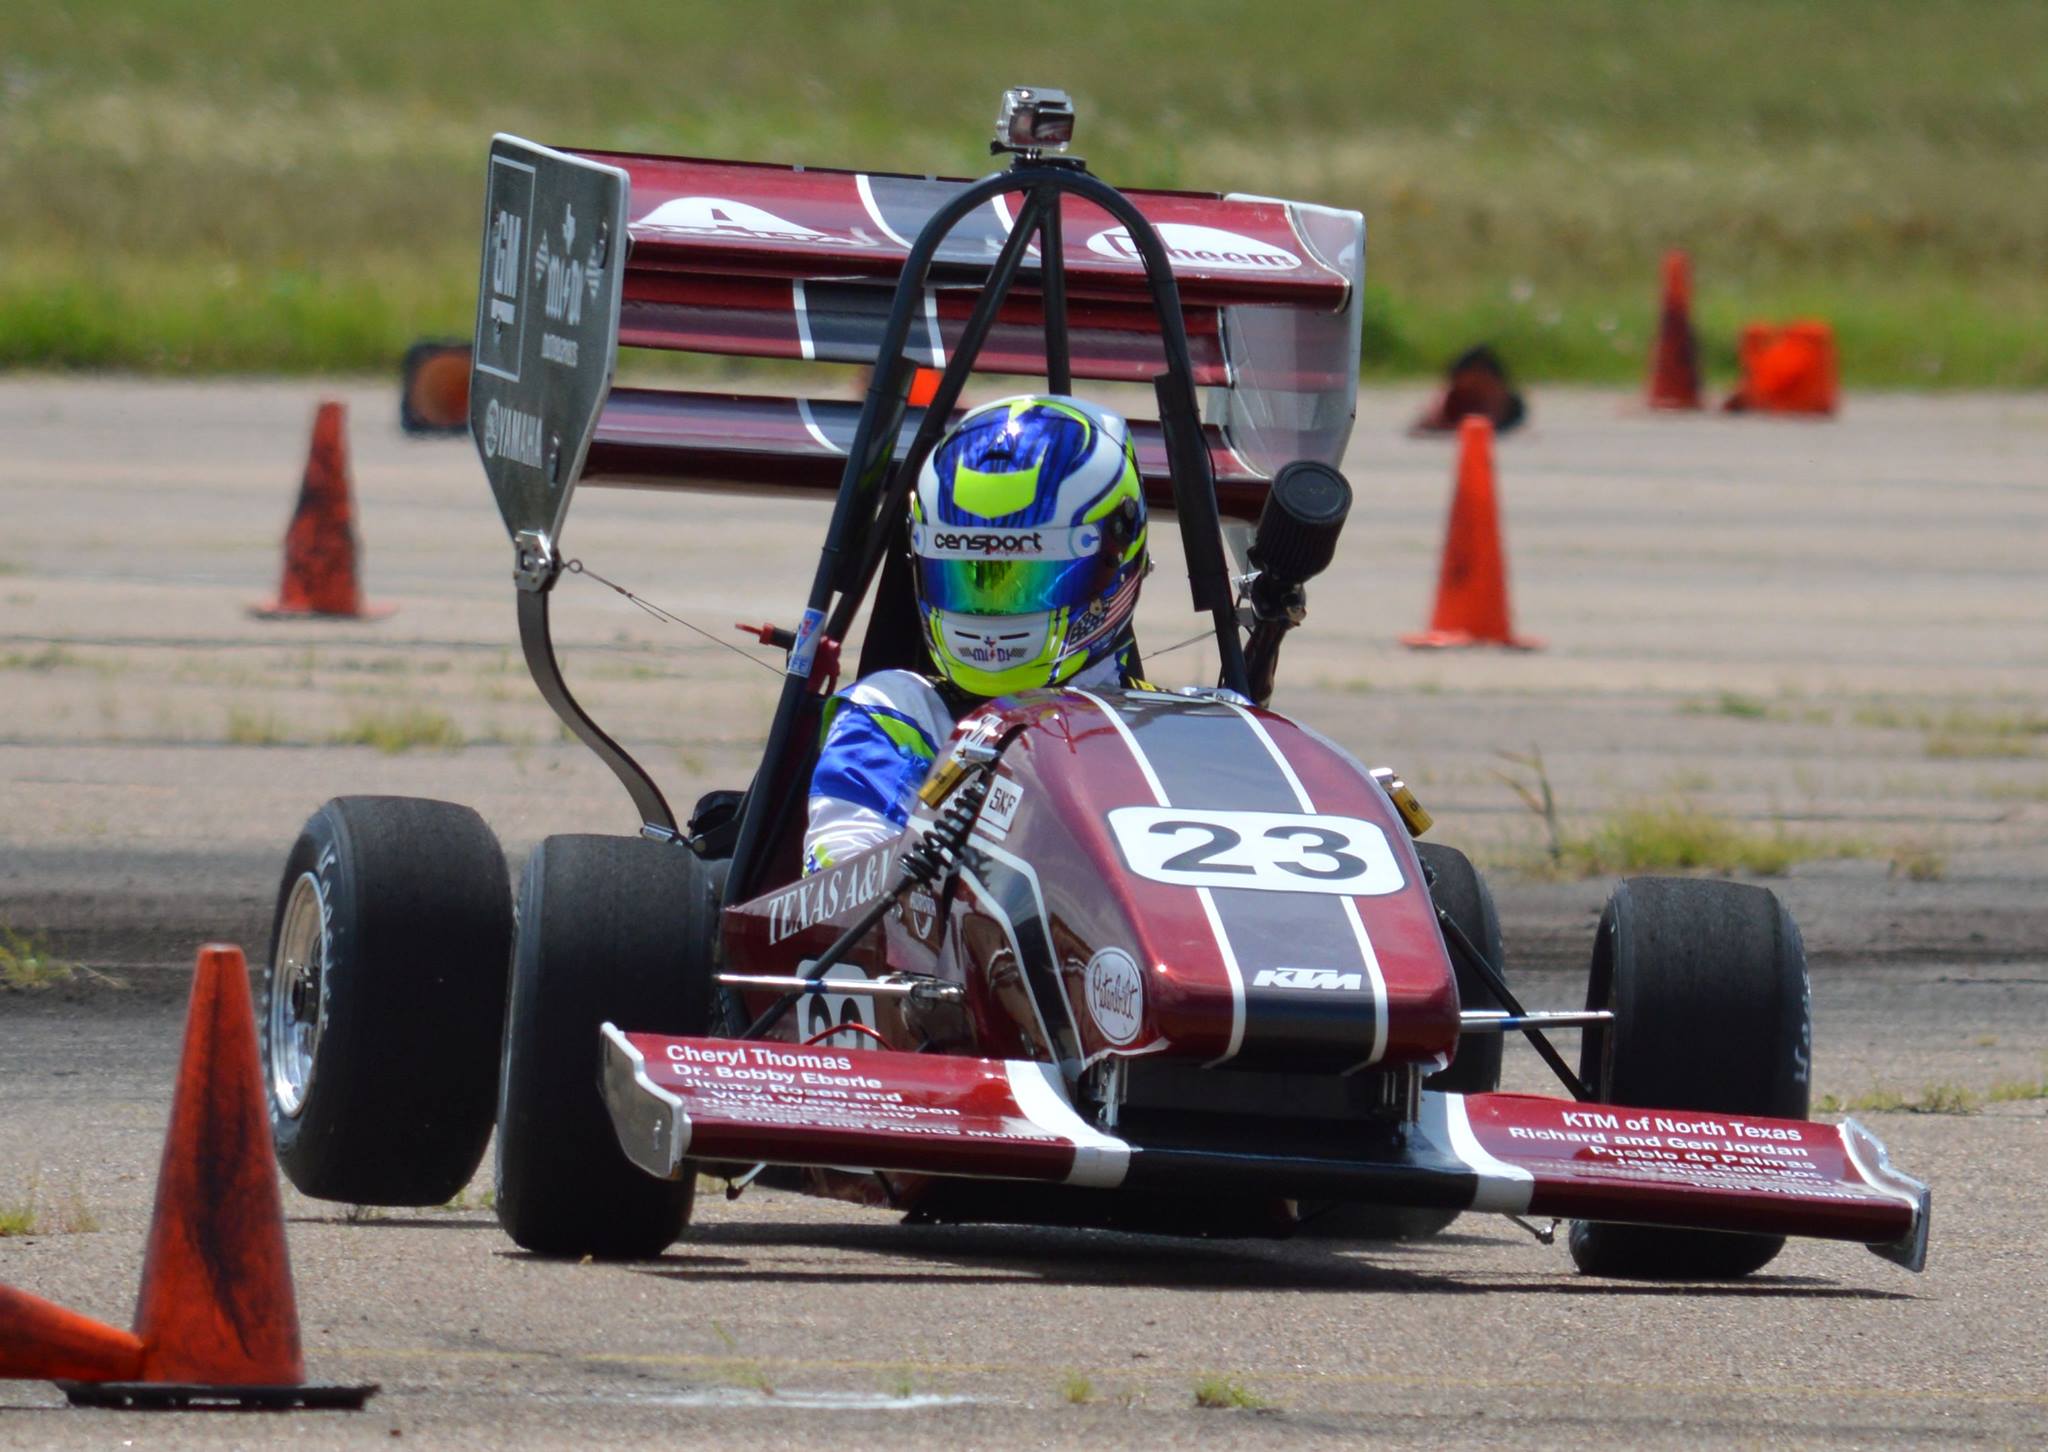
958	544
1205	248
1001	807
738	221
804	653
512	433
940	543
824	1011
1116	995
1323	978
921	911
506	229
823	896
1264	851
993	650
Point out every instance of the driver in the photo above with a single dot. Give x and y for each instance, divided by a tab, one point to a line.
1027	533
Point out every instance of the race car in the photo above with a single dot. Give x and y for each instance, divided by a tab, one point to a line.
1143	959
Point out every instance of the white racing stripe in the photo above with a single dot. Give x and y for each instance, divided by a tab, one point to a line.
1223	948
931	322
1100	1160
867	199
1365	949
1503	1187
803	409
799	301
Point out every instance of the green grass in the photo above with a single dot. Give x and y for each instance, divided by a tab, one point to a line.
393	732
1221	1393
212	186
26	965
1076	1390
23	1216
253	728
1681	837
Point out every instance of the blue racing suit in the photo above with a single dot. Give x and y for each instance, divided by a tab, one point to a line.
881	736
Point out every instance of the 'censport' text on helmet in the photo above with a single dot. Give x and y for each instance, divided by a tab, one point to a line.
1028	535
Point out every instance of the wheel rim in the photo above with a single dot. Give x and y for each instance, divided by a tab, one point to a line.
297	996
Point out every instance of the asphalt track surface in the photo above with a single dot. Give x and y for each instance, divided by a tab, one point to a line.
1873	587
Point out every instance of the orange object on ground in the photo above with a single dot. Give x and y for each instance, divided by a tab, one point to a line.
1675	365
41	1341
320	544
1472	587
924	387
433	397
216	1323
216	1302
1788	368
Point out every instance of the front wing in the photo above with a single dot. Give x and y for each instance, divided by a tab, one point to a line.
676	1099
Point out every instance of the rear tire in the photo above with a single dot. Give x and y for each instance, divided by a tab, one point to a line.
1707	982
383	1000
611	929
1461	892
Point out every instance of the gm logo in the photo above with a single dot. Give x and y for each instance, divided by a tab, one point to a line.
1328	978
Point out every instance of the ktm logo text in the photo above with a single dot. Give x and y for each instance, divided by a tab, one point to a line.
1308	978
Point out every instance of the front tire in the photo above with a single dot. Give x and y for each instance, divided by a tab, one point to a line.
383	1000
611	929
1707	983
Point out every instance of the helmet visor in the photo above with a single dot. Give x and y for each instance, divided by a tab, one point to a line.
1010	572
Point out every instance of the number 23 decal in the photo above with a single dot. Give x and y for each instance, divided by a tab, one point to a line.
1268	851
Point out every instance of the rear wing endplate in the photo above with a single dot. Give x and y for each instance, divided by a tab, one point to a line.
547	328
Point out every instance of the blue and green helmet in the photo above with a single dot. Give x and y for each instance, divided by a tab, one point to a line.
1027	531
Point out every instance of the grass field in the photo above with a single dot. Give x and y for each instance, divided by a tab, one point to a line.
230	185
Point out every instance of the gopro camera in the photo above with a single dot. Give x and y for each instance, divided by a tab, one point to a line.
1034	119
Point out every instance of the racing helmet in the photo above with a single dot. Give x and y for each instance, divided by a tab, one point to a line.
1027	534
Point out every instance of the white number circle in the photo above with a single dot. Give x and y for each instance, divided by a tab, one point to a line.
1269	851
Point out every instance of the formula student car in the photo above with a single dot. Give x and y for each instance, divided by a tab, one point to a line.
1145	959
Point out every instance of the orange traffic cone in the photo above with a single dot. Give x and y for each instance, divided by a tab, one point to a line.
433	396
1472	587
216	1324
1787	369
41	1341
1675	366
320	546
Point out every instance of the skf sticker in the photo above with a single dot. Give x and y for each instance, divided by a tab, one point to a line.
1001	807
804	653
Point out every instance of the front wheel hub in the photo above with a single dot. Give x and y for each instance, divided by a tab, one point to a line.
294	1011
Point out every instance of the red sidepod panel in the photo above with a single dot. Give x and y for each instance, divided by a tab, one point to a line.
1208	881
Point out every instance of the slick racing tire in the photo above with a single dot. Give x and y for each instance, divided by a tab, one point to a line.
383	999
1461	892
1707	983
611	929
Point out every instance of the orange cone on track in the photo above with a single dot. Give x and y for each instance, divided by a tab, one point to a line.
41	1341
1472	586
1788	368
216	1302
1675	366
320	544
216	1323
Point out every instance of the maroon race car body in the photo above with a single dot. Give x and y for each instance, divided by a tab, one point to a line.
1141	957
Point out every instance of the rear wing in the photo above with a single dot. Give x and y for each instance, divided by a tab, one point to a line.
585	251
